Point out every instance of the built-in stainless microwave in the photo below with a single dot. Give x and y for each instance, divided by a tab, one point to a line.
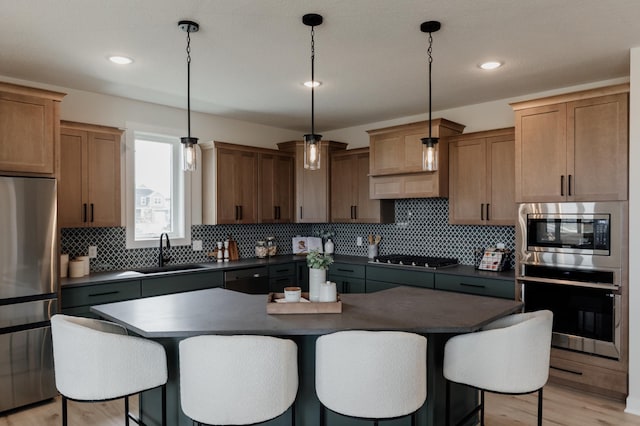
571	234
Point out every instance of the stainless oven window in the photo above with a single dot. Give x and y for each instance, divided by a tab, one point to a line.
581	311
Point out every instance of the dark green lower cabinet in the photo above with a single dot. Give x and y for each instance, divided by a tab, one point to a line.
77	300
281	276
505	289
349	278
381	278
178	283
373	286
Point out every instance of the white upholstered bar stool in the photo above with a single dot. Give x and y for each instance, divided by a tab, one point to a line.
373	375
237	380
509	356
97	361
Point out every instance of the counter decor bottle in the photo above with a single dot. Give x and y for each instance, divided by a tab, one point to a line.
318	264
329	246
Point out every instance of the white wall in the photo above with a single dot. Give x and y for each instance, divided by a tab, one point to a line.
88	107
485	116
633	400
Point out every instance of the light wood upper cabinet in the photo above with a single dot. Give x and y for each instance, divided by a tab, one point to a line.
395	162
236	173
573	147
89	178
29	130
245	184
481	178
313	198
350	201
275	195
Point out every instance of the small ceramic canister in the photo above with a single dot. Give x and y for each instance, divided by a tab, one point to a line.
85	259
292	294
328	292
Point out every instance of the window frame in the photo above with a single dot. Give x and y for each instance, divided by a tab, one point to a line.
182	179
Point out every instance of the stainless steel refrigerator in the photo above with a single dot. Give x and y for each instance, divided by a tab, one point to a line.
28	289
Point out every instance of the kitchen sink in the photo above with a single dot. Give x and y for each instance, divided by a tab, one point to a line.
168	268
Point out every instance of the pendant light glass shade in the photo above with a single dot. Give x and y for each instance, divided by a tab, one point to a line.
312	149
430	144
312	141
430	154
188	142
189	163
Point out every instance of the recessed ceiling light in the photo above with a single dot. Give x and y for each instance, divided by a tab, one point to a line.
120	60
312	83
491	65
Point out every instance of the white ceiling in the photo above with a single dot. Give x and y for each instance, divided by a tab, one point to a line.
250	57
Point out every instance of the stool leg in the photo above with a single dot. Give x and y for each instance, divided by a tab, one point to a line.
481	408
126	410
447	413
293	414
540	407
413	419
322	415
164	405
64	410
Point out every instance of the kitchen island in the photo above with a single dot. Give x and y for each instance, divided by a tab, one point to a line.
436	314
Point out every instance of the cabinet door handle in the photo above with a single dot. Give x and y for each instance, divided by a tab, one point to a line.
355	212
236	212
92	212
487	211
482	211
279	213
300	212
578	373
562	185
108	293
569	186
84	212
240	208
346	270
472	285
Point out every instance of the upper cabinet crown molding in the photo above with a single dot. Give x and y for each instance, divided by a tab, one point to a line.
573	147
29	130
395	160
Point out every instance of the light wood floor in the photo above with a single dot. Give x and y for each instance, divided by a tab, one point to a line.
561	407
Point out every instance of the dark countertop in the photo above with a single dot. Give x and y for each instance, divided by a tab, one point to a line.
111	276
219	311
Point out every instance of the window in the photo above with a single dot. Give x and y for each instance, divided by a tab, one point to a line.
157	190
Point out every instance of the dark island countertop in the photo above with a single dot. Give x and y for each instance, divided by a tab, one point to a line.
219	311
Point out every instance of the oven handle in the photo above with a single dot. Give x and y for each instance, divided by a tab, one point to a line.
612	287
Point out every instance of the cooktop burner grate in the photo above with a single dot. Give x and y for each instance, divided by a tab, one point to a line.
420	261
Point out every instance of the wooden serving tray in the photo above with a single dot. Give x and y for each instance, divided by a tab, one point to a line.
274	307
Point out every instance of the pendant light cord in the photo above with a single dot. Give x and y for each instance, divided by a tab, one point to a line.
189	83
313	82
429	50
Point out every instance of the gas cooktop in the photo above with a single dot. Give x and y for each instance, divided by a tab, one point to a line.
418	261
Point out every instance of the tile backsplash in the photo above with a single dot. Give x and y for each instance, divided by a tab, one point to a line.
421	228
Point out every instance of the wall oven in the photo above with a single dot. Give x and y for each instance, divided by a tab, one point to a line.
571	259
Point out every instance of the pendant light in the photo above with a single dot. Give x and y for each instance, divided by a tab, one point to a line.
312	141
430	144
188	142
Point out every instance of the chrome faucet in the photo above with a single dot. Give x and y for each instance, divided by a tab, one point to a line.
162	258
